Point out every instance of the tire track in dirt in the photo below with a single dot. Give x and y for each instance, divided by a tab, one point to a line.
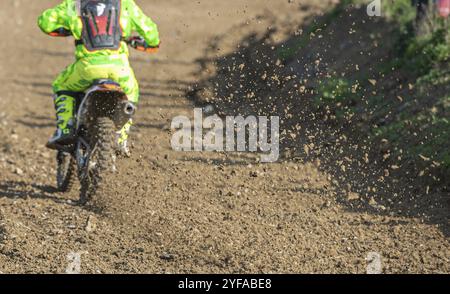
177	212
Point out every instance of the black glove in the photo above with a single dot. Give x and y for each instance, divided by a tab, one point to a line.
140	44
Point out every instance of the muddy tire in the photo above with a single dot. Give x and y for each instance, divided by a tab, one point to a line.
65	172
102	162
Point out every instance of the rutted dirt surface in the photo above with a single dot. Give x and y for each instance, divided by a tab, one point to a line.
179	212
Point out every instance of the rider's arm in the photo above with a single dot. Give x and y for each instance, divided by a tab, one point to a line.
144	25
54	18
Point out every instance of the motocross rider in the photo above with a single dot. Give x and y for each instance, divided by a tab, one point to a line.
101	53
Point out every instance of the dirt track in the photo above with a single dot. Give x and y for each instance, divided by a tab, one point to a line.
177	212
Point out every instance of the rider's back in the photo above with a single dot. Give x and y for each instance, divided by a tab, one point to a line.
84	23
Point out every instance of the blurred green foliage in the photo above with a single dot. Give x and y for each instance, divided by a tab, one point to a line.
420	127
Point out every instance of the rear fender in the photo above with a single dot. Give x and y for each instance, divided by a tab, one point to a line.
105	100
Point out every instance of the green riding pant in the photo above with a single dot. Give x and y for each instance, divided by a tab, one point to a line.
80	75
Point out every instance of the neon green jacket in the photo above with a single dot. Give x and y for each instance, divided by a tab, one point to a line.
132	20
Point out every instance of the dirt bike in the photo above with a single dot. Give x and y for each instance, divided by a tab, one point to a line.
101	111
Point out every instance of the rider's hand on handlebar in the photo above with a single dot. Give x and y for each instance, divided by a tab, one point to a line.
139	44
61	32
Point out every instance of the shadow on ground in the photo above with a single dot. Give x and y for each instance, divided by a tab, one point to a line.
20	189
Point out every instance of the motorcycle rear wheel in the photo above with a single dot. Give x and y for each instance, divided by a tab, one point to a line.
65	171
101	160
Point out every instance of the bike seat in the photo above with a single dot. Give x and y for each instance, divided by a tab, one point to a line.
101	82
107	85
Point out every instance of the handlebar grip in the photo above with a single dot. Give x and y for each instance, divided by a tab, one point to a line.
147	49
61	32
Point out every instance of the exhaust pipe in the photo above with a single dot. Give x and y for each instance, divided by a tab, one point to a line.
129	108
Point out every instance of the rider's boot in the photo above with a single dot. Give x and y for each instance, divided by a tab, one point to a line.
122	139
65	133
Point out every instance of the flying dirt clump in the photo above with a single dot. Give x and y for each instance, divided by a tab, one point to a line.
324	99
